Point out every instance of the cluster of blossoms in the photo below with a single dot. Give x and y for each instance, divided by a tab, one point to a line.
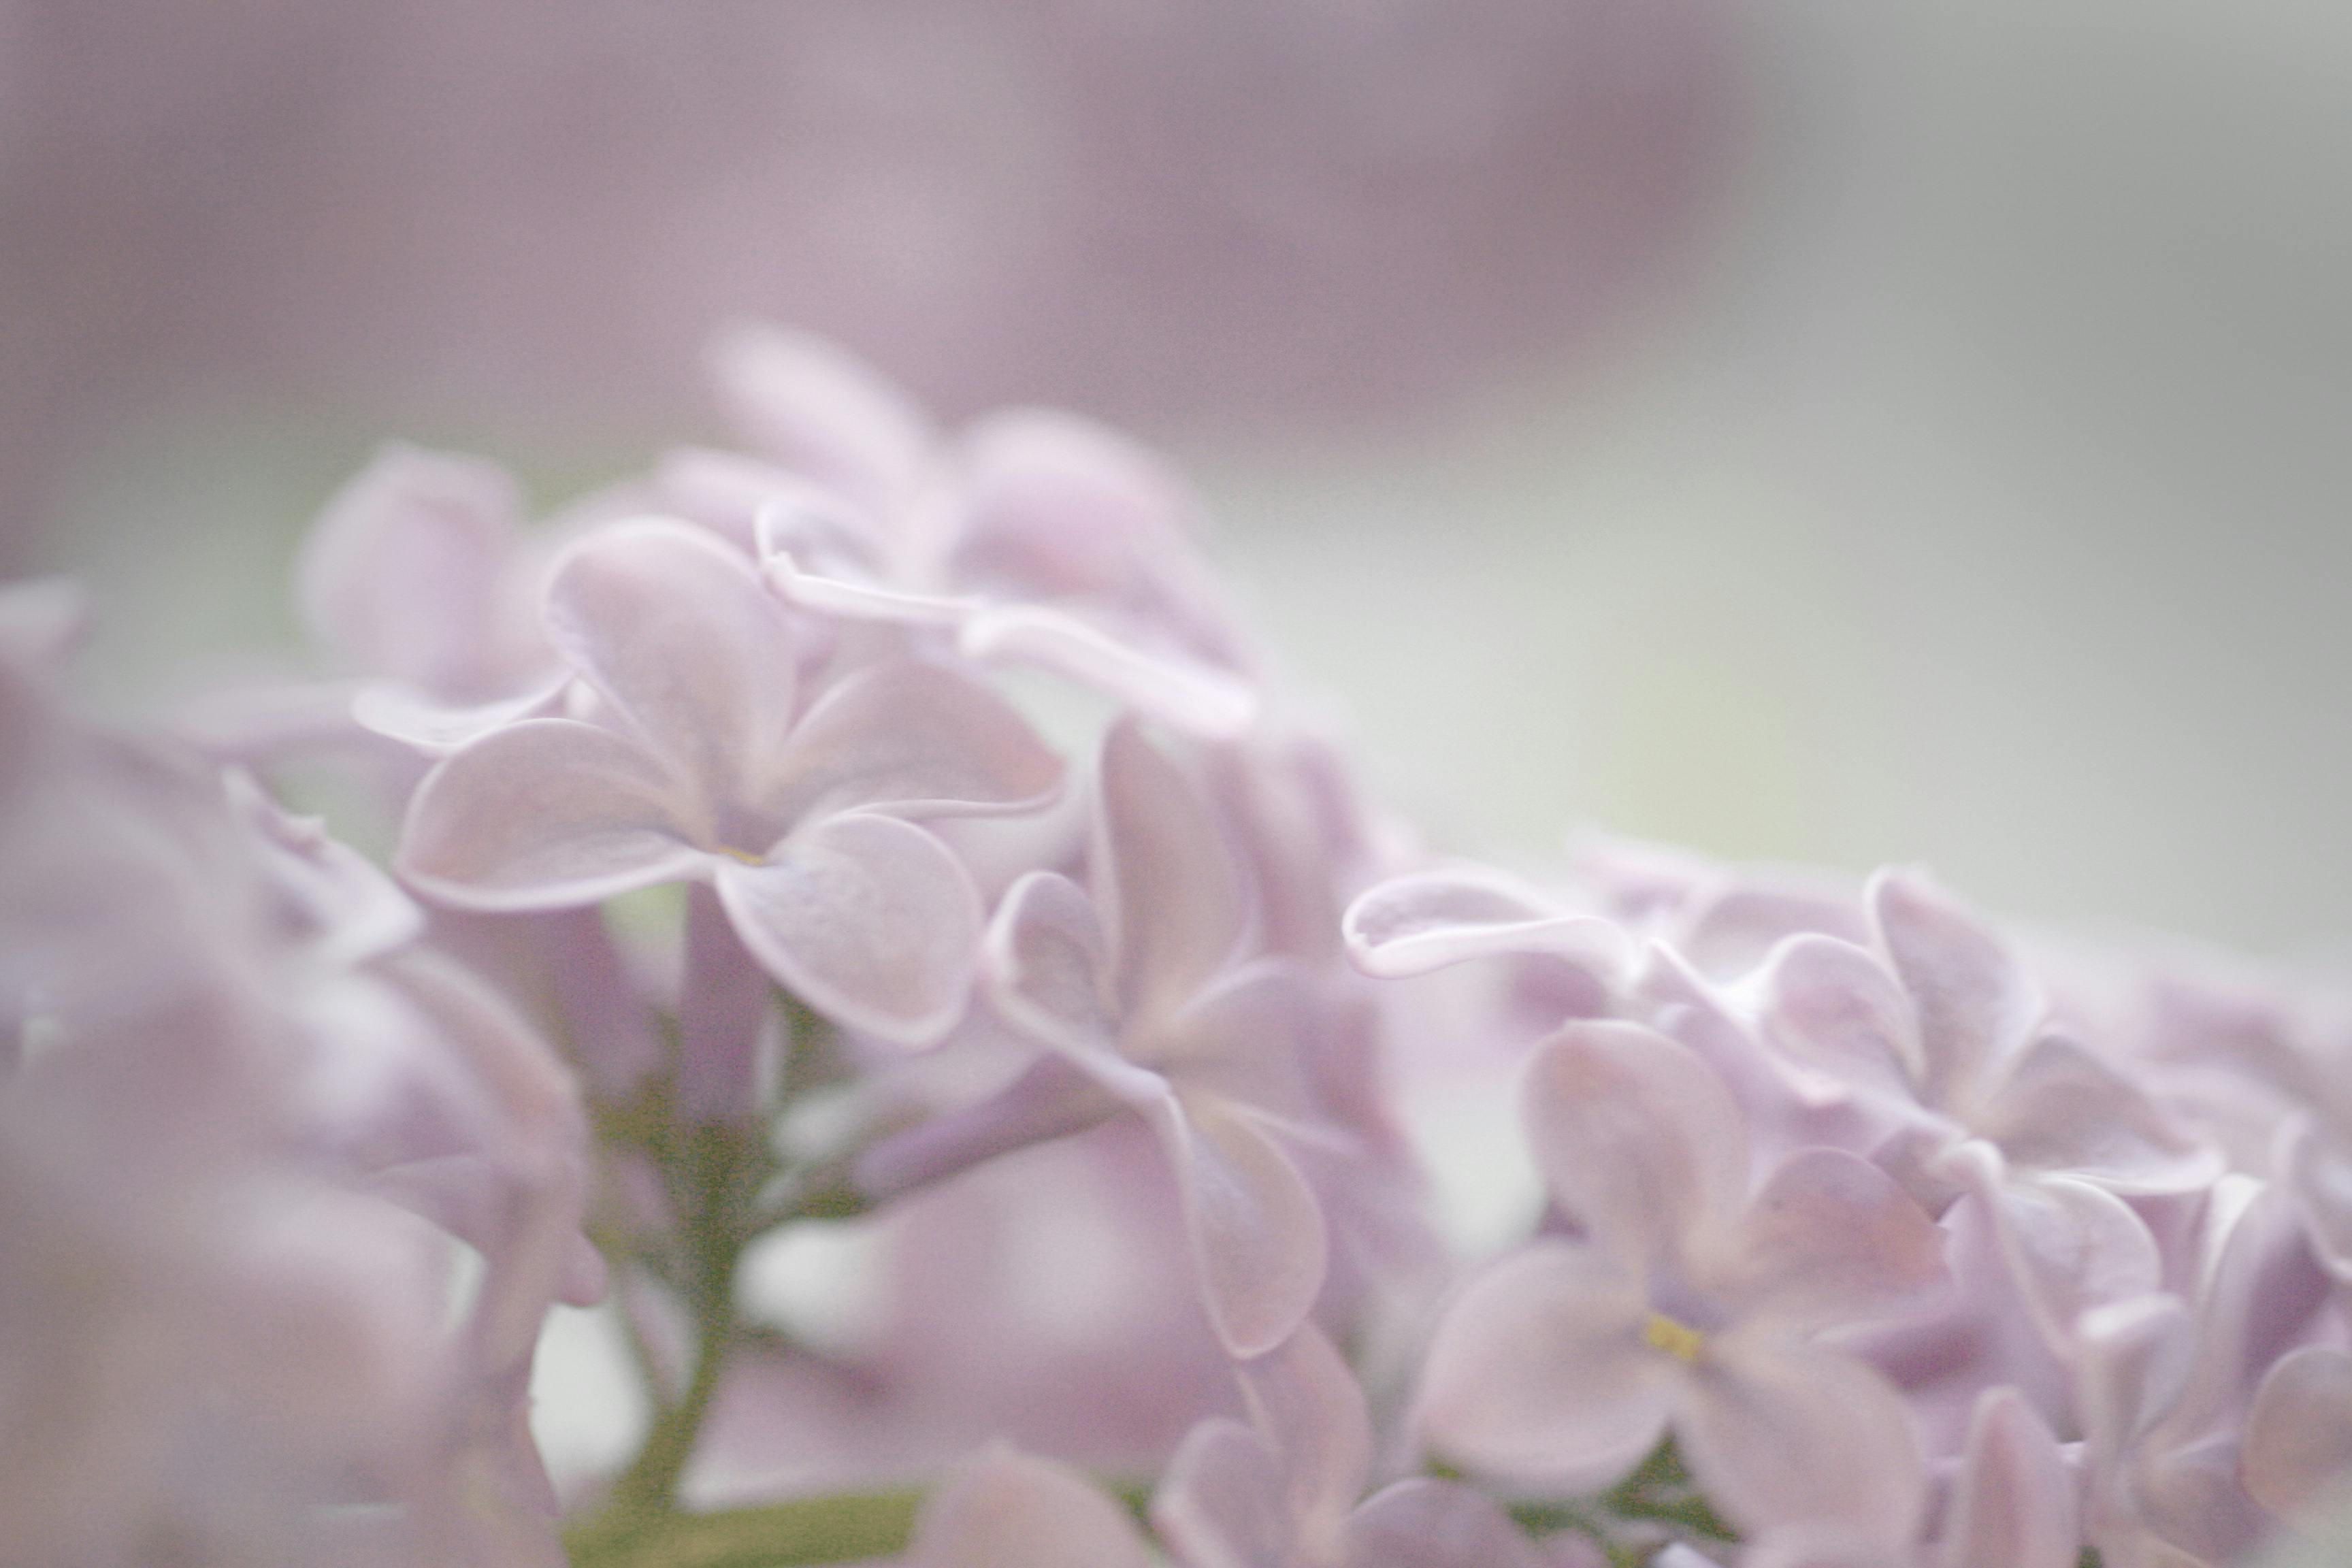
1015	922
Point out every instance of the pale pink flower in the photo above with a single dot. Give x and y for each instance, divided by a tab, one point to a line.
709	769
1281	1490
1005	1509
1690	1305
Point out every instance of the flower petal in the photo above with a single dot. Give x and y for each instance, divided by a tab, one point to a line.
676	629
2062	1110
414	719
1165	880
1836	1008
1426	1523
1176	689
1539	1372
868	919
1778	1434
2318	1173
1973	1001
546	814
1410	925
2013	1505
1636	1137
1045	965
823	412
1311	1407
913	739
1833	1239
2070	1246
1256	1229
1221	1504
404	573
1004	1509
2299	1432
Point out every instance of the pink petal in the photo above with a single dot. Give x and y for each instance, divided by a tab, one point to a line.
2070	1246
1835	1006
545	815
2318	1173
1974	1004
915	740
1178	690
416	720
1831	1238
1780	1436
405	573
1046	964
2060	1109
1221	1504
2013	1505
1165	880
1059	507
2298	1445
1004	1509
1410	925
1311	1407
1425	1523
1247	1038
857	599
823	412
1636	1137
1539	1372
675	628
2135	1360
1256	1229
868	919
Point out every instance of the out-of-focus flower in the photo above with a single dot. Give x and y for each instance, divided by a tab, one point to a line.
1004	1509
1690	1306
248	1136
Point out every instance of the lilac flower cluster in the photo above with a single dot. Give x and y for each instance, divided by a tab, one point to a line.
894	828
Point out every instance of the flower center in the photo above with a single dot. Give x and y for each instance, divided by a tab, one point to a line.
1679	1341
744	856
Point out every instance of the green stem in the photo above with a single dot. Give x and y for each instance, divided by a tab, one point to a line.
845	1529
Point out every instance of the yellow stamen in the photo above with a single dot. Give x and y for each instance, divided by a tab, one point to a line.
1678	1339
744	856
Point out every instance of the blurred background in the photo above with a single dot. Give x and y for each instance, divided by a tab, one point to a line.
1816	431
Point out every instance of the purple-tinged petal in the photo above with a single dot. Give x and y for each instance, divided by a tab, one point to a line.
1835	1008
1312	1410
2318	1173
1636	1137
1046	965
868	919
1777	1434
676	630
1257	1232
1222	1504
1247	1038
823	412
1176	689
2060	1109
546	814
2070	1246
1410	925
405	575
813	529
1004	1509
1165	880
418	720
1426	1523
2013	1505
722	1006
2298	1445
1057	506
1831	1238
1540	1371
1974	1004
913	739
857	600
